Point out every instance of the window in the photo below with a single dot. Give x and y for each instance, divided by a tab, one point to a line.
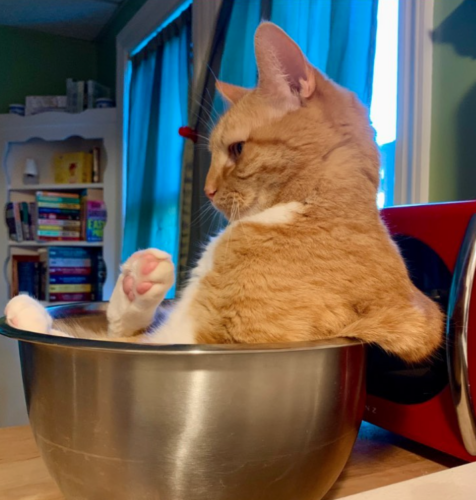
383	109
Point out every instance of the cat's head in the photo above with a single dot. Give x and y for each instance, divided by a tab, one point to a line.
296	137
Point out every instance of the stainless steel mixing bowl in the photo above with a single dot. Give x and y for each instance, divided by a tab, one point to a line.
118	421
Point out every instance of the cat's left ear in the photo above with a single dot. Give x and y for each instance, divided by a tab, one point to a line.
283	68
232	93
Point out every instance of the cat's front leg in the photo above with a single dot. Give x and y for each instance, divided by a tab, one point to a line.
26	313
145	279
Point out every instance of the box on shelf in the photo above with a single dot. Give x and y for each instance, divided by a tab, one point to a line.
35	104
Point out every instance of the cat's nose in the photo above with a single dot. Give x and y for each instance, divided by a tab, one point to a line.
210	191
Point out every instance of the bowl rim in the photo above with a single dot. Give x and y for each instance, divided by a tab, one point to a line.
169	349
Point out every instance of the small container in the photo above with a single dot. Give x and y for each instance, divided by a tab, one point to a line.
30	174
17	109
104	102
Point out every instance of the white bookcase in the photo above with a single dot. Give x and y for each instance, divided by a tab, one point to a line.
41	137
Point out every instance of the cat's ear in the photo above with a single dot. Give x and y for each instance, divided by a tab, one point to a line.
232	93
283	68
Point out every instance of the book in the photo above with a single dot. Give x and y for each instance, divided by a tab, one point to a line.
59	223
54	205
56	213
32	218
68	279
18	223
25	275
55	194
69	262
60	233
70	270
96	164
70	252
25	221
58	238
74	96
73	168
58	200
71	297
95	90
70	288
10	221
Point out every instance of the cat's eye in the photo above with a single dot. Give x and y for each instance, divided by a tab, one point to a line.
235	149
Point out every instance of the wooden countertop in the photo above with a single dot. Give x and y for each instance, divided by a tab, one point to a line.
379	458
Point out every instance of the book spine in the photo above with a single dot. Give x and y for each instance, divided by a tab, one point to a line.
51	213
58	238
69	288
71	252
100	272
26	278
24	220
32	219
69	263
96	164
69	280
18	225
59	222
56	194
10	221
58	199
70	297
70	271
57	233
66	206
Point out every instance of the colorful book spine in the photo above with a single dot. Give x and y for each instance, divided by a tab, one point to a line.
59	222
58	214
70	288
54	194
53	233
72	270
71	297
10	221
66	206
70	252
69	280
24	221
18	224
69	263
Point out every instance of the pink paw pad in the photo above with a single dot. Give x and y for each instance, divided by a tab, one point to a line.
148	263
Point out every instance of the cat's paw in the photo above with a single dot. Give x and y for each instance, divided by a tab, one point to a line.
25	313
145	279
148	276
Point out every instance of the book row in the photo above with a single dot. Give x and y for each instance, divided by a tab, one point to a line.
60	274
58	216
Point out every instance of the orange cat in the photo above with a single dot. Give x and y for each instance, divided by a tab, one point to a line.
306	256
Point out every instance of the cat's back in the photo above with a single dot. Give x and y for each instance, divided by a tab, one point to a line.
290	269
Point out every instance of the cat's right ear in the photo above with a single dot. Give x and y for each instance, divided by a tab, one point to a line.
283	69
231	93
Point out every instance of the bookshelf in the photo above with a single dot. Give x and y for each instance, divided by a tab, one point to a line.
41	137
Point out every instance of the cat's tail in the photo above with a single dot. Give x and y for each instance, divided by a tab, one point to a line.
413	332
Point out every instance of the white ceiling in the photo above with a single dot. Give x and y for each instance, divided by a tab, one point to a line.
81	19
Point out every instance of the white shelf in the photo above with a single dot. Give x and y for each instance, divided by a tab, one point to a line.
55	243
56	187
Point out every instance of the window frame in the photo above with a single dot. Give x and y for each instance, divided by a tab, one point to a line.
414	102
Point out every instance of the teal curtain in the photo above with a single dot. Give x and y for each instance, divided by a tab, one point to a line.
158	107
338	37
238	64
